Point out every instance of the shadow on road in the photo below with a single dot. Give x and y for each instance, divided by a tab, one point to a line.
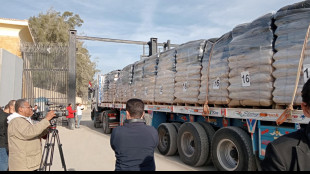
90	124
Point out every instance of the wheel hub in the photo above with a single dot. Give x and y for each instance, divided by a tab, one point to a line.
228	154
188	144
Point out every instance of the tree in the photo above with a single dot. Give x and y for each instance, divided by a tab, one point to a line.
85	70
53	27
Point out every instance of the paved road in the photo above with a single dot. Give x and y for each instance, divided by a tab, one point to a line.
88	149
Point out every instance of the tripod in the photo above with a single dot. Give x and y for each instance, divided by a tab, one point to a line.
49	150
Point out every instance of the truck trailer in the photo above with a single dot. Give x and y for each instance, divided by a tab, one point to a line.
221	100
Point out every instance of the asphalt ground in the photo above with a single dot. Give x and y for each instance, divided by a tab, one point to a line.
88	149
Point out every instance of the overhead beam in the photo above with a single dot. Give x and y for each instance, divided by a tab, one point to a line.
119	41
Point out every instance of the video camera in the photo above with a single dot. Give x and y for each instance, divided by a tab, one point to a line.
60	111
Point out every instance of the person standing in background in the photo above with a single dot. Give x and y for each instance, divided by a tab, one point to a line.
71	116
79	109
8	109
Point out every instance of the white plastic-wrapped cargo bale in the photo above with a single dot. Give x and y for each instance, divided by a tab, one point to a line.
119	94
106	88
137	83
125	81
204	71
292	23
219	71
112	92
149	78
250	63
102	87
164	90
188	66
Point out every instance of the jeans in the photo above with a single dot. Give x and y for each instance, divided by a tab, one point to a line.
4	165
79	117
71	123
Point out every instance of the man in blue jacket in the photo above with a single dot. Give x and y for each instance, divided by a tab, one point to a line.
135	142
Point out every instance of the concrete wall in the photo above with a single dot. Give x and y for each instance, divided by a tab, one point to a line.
12	32
11	71
11	44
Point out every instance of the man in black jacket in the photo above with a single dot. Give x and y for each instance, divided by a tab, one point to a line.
291	152
134	143
9	109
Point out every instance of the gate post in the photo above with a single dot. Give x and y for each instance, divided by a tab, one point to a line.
72	65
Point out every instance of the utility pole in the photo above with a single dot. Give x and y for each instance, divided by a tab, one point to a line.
72	68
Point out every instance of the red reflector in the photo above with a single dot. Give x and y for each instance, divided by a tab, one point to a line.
112	115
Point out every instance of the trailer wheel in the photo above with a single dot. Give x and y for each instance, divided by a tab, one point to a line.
167	139
92	115
232	150
177	126
192	144
97	119
210	133
105	123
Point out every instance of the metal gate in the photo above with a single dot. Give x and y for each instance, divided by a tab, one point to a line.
46	74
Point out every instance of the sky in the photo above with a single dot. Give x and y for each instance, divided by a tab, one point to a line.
179	21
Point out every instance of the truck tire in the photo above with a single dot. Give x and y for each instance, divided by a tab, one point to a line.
97	119
177	126
232	150
167	139
105	123
192	144
210	133
92	114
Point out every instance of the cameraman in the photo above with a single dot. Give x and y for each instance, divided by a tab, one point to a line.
24	137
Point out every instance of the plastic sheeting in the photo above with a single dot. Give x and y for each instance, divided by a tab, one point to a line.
109	86
292	23
218	72
188	67
149	78
105	88
112	92
204	72
250	63
124	83
136	88
166	69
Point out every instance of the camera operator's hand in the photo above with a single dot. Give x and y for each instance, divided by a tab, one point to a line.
50	115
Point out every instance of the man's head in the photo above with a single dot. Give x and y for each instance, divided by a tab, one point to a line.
11	106
134	109
69	104
305	94
23	108
6	108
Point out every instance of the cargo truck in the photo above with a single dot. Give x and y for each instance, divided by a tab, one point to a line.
221	100
232	138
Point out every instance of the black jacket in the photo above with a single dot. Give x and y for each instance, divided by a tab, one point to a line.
290	152
3	130
134	145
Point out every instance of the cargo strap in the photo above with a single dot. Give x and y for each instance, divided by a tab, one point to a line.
206	110
288	111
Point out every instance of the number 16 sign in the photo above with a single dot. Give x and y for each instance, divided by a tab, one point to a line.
245	78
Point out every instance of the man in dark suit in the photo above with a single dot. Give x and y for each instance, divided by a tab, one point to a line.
134	143
291	152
